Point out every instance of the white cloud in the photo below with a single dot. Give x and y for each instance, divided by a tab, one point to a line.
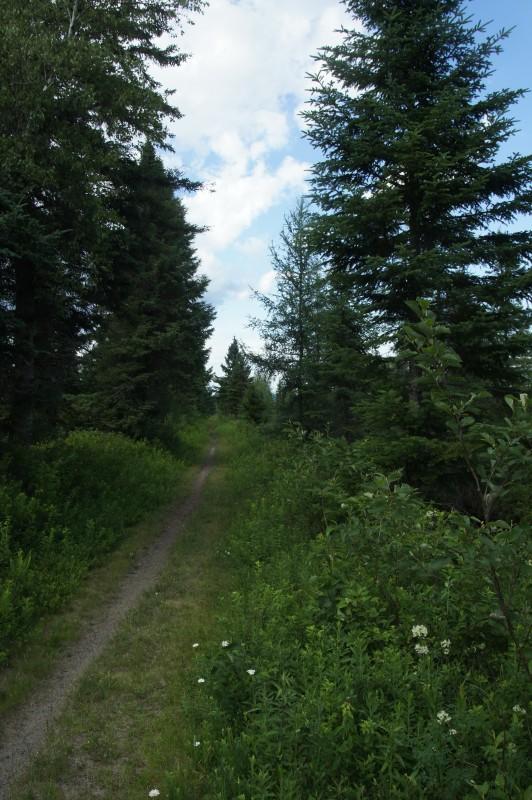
245	59
239	197
238	91
252	246
267	281
246	71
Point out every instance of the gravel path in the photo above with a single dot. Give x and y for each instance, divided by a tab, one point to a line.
26	729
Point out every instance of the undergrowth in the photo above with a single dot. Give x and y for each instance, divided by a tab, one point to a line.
365	654
74	503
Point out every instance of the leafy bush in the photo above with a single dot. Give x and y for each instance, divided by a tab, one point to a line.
78	497
366	653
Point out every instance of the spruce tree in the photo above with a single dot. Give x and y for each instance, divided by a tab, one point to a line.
76	96
350	365
415	198
257	405
235	381
150	357
291	329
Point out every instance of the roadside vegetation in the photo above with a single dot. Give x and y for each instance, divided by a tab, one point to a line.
75	501
321	631
363	651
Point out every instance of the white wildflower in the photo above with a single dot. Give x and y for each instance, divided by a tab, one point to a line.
196	644
196	743
452	731
445	645
225	643
154	793
419	631
421	649
250	671
201	680
443	717
518	709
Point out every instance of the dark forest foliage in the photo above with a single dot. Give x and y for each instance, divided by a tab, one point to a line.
234	382
76	98
149	357
414	197
103	322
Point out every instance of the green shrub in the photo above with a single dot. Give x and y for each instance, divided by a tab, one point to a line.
78	497
381	664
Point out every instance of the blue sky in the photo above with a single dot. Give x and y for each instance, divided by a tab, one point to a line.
240	93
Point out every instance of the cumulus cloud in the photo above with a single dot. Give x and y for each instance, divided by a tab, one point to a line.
267	281
246	59
252	246
240	196
238	90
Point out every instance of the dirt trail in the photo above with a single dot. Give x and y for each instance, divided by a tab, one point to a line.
26	729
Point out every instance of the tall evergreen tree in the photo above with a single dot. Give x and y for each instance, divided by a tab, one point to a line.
290	332
257	405
235	381
414	196
76	94
350	364
150	357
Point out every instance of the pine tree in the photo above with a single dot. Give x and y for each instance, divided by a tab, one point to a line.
150	357
76	95
234	382
415	199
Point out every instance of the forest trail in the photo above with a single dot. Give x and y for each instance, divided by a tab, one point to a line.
26	729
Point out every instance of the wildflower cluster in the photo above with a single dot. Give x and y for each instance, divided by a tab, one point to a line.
420	632
443	718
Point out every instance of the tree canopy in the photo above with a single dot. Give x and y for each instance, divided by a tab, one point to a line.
415	198
76	98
